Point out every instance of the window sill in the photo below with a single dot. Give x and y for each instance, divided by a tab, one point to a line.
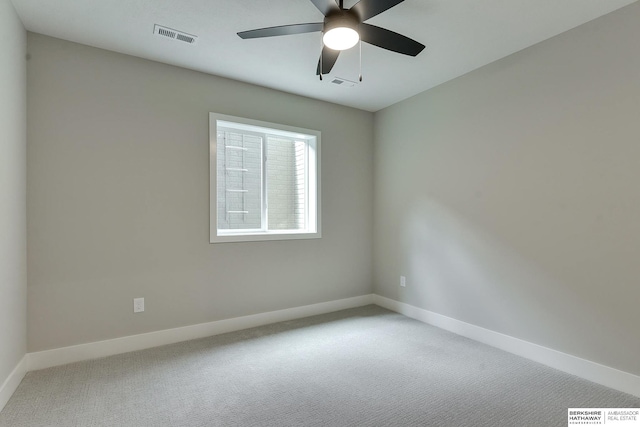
262	236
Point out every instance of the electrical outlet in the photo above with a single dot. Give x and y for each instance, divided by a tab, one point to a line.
403	281
138	305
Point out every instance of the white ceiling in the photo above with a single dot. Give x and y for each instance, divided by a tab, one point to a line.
460	35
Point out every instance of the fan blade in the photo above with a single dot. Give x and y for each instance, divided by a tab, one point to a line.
282	30
369	8
328	59
389	40
325	6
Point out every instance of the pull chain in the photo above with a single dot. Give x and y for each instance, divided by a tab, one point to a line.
321	55
360	76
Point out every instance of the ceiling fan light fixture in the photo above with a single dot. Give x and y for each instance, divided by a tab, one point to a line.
341	31
340	38
343	28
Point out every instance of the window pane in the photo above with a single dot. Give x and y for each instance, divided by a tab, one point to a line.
286	183
264	181
239	177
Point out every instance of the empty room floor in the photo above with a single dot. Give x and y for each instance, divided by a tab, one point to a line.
360	367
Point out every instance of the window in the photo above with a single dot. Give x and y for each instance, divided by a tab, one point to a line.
265	181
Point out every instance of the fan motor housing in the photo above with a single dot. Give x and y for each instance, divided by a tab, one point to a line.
341	18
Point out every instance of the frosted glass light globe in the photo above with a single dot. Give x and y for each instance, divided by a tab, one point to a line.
340	38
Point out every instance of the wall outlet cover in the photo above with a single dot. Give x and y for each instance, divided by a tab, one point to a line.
138	305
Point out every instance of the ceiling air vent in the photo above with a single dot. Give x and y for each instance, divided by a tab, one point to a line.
343	82
174	34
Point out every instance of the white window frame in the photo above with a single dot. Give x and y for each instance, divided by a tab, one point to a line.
312	137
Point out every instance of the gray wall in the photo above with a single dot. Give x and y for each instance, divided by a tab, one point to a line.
13	217
118	200
510	197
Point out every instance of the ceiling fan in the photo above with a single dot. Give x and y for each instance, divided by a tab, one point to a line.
343	28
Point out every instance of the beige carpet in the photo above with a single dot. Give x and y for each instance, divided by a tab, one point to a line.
359	367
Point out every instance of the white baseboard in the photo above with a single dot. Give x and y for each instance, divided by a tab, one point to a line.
12	382
76	353
610	377
592	371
